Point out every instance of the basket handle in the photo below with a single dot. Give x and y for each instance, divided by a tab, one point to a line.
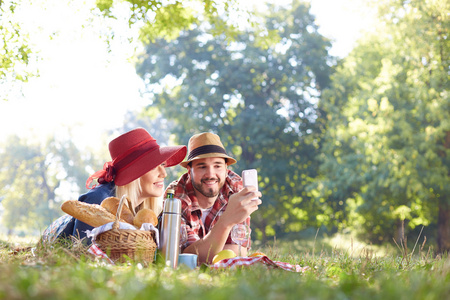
118	213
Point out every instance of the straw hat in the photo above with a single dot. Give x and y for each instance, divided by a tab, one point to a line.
205	145
133	154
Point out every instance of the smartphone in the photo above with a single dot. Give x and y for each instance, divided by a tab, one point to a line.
250	178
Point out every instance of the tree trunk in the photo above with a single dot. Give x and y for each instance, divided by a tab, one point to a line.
399	231
443	230
400	234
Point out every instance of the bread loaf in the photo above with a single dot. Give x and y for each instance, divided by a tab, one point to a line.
111	204
145	215
91	214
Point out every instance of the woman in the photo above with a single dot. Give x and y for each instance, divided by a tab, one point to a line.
137	169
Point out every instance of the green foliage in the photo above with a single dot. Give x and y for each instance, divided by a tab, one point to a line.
261	102
167	19
388	109
156	18
15	52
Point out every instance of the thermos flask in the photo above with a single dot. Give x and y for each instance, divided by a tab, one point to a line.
170	229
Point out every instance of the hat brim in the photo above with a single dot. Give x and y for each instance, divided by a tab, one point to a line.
172	155
230	160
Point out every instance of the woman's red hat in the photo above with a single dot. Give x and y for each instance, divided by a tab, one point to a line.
133	154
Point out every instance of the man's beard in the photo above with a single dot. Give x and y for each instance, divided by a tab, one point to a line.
207	192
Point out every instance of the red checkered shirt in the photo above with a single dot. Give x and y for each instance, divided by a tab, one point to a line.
192	214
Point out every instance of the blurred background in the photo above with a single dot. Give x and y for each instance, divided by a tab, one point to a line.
342	106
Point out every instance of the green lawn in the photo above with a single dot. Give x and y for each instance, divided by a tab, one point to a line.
338	270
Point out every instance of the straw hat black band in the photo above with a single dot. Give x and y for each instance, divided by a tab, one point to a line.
205	150
206	145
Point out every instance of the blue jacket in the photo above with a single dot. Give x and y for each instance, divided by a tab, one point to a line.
94	196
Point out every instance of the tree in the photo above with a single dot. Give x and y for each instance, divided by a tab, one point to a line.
35	179
260	101
386	150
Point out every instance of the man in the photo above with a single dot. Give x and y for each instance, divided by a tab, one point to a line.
213	198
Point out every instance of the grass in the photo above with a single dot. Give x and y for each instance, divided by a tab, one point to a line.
340	269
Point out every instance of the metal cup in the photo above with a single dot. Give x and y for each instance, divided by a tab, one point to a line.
188	259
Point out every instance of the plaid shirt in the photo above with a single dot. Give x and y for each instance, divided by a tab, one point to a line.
191	212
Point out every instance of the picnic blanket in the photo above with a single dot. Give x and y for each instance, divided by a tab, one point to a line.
248	261
226	263
97	252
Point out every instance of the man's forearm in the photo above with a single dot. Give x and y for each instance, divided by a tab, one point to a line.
211	244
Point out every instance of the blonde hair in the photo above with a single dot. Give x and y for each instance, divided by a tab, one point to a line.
133	190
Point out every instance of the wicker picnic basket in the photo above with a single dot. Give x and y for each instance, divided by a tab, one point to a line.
121	245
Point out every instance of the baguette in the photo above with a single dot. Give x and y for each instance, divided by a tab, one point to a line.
91	214
111	204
